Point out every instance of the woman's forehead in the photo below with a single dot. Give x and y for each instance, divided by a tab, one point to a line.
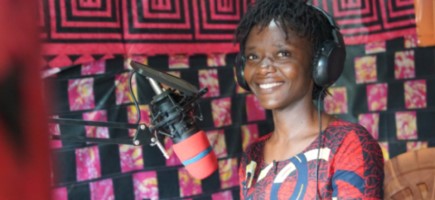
286	32
273	34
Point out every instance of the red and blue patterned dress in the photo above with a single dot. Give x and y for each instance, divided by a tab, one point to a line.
350	167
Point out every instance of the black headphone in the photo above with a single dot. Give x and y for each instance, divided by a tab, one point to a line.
328	61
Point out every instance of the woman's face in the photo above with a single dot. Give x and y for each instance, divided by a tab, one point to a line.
277	70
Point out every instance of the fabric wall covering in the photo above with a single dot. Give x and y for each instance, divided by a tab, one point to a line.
78	31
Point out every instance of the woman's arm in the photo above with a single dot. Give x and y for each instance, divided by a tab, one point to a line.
358	167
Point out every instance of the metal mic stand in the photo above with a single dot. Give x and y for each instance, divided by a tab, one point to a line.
139	138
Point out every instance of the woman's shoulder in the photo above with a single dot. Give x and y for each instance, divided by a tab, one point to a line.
345	132
344	127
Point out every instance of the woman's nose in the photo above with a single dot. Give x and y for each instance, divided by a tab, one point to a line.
266	62
266	66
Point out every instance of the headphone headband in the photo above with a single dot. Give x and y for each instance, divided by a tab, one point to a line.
327	15
338	38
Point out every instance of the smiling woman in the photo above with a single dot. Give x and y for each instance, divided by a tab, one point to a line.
290	54
276	65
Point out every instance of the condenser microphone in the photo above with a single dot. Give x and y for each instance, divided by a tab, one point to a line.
173	115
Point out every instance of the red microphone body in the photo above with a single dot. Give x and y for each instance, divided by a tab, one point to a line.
174	115
197	155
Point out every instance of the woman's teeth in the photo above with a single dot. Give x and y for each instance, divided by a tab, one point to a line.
269	85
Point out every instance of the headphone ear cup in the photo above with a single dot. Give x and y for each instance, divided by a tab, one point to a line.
328	64
316	66
239	65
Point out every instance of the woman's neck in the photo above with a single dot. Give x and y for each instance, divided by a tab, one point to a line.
298	121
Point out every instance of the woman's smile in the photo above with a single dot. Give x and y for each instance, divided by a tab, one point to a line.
266	86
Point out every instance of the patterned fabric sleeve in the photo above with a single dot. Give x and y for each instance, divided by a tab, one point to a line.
358	167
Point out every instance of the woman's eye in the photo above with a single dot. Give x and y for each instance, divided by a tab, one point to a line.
283	54
251	57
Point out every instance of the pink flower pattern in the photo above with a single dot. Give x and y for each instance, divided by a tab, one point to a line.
216	60
254	111
131	157
95	131
145	185
137	58
227	195
88	163
173	159
188	185
377	96
102	190
404	66
221	111
209	79
217	141
365	69
249	134
336	103
59	193
375	47
370	121
132	116
81	94
179	61
406	125
123	94
96	67
228	173
415	94
55	144
54	129
410	41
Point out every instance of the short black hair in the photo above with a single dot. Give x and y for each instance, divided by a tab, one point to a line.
296	15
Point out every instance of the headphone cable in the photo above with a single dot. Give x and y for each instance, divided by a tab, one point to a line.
319	141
